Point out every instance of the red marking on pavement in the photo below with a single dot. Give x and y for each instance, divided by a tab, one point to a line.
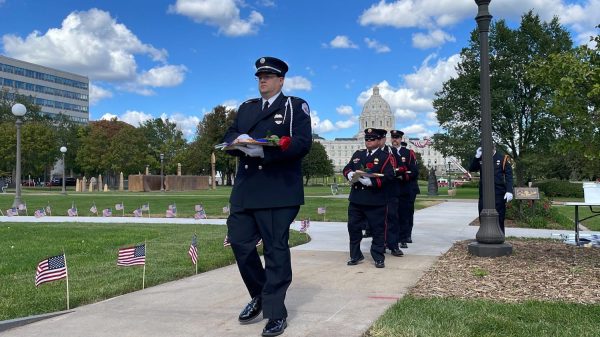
384	297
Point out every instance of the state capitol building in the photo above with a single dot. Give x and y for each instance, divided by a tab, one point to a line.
377	113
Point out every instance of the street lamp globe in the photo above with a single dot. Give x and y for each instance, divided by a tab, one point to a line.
63	149
19	110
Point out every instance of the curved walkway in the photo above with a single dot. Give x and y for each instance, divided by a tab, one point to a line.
326	298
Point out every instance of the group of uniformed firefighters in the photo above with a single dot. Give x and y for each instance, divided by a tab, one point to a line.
384	187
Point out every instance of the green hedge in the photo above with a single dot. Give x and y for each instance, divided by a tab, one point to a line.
560	188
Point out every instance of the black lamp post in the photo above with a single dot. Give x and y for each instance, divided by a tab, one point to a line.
63	149
490	239
449	177
19	110
162	185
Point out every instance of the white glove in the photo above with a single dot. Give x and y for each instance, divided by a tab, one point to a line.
243	136
252	150
350	175
508	196
365	181
478	152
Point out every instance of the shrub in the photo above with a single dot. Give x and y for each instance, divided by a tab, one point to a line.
560	188
537	214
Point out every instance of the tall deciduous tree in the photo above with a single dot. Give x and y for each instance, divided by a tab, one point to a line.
94	157
316	163
164	137
521	119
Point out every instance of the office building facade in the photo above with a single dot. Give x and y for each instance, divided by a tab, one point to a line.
54	91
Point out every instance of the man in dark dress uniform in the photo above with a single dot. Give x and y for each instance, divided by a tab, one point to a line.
268	191
368	198
407	173
392	221
503	182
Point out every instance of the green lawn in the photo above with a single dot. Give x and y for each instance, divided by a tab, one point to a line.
91	252
464	318
569	211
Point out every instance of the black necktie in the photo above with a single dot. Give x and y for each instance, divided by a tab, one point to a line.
369	153
265	106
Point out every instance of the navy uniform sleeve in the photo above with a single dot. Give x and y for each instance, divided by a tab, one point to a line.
508	177
475	165
301	139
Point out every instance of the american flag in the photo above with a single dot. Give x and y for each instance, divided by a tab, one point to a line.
12	211
321	210
39	213
49	210
132	256
22	207
146	207
226	209
52	269
193	251
173	208
170	213
137	213
107	212
198	208
72	211
304	225
119	207
94	209
200	215
226	242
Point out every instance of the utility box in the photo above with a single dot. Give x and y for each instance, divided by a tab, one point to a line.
591	193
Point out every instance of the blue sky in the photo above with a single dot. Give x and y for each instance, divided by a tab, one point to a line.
178	59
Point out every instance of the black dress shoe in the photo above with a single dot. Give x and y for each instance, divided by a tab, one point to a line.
379	264
251	311
354	262
274	327
403	245
397	252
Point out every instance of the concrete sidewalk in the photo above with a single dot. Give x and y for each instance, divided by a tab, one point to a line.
326	298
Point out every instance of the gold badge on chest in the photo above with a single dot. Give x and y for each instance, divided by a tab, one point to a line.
376	161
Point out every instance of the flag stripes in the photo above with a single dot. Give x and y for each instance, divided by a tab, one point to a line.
51	269
132	256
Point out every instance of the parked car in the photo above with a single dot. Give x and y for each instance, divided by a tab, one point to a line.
68	181
30	183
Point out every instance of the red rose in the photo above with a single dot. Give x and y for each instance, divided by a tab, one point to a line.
370	165
284	142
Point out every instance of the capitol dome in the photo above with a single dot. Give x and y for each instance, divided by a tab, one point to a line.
376	113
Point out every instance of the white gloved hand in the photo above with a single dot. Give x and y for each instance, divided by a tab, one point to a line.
350	175
508	196
252	150
365	181
243	136
478	152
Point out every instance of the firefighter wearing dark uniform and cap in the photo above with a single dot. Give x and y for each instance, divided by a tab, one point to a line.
268	191
392	223
367	196
407	174
414	184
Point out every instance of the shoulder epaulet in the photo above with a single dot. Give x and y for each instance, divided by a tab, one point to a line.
361	150
504	160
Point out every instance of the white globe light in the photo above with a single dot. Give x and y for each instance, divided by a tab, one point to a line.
63	149
19	110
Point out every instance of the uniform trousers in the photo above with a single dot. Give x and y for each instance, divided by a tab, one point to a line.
245	227
375	216
404	209
411	214
500	204
392	224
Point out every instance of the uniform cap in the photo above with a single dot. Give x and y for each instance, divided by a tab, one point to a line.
372	133
270	65
396	134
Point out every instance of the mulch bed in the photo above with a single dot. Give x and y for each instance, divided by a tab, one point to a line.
545	270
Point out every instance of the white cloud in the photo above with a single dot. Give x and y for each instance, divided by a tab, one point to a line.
432	39
378	46
412	100
98	93
94	44
224	14
319	126
342	42
417	130
164	76
296	83
346	124
581	15
345	110
187	124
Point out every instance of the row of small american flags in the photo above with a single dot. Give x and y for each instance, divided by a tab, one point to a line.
171	211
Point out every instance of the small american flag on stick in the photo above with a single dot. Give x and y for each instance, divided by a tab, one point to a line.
193	251
51	269
132	256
